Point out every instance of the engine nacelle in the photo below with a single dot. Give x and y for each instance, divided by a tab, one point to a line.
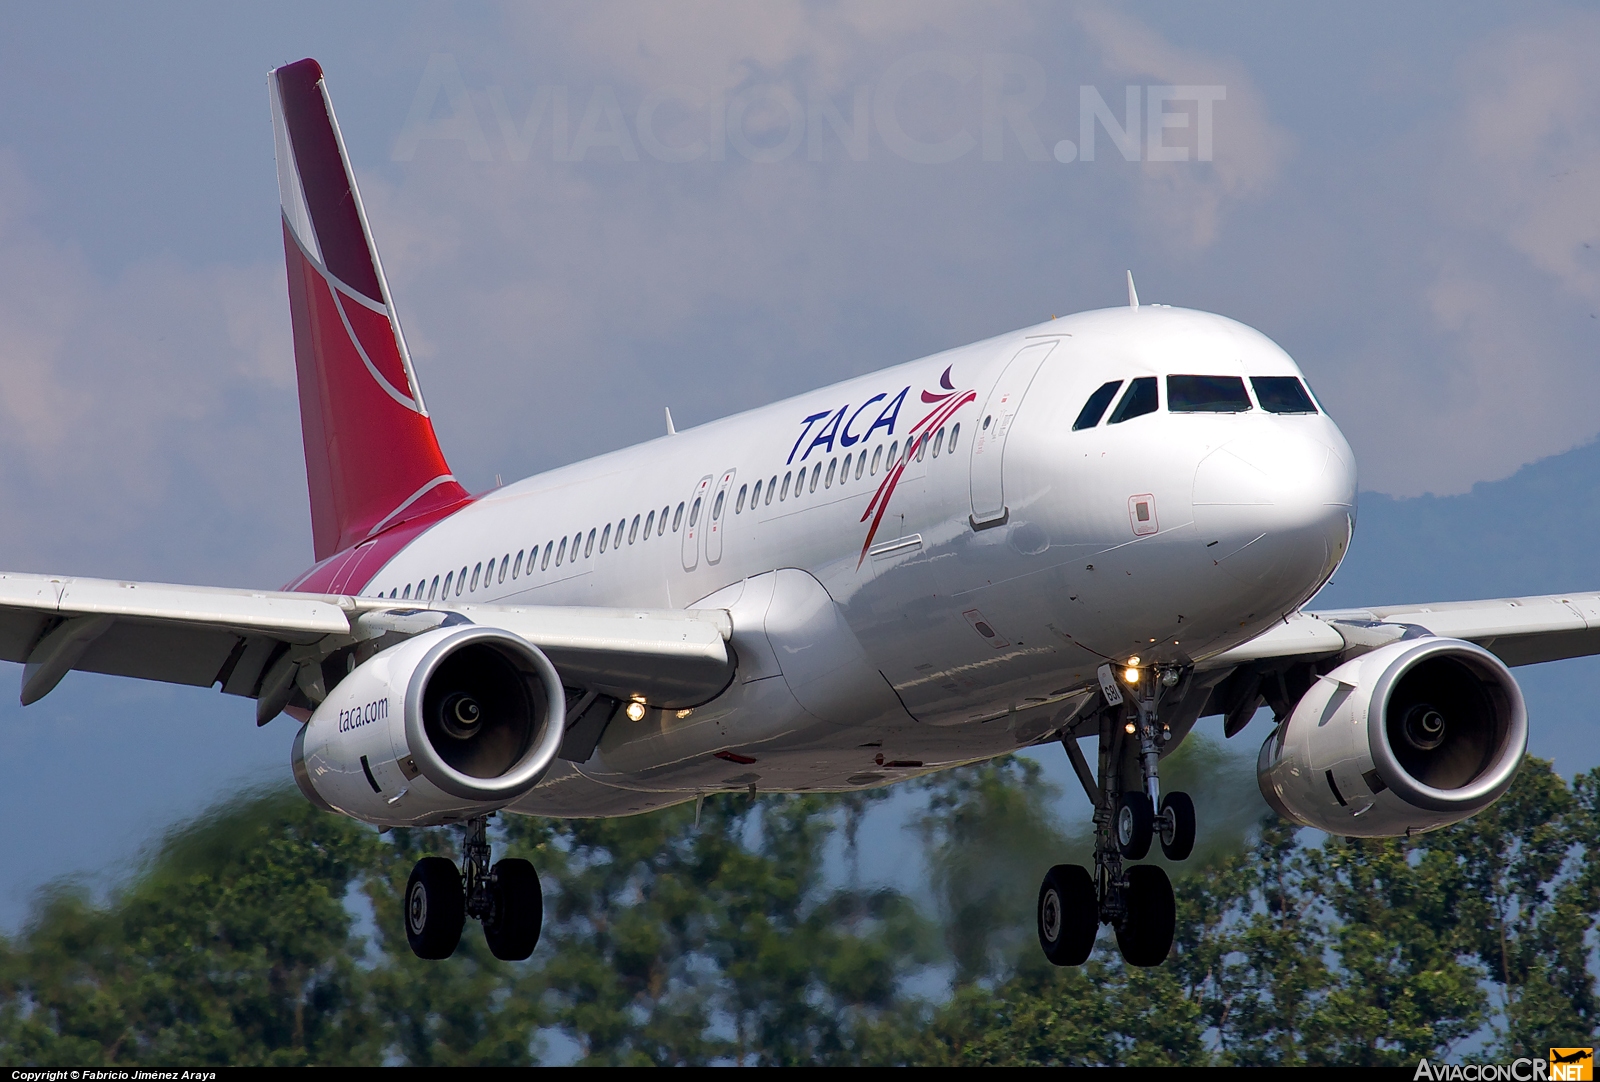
1413	736
455	722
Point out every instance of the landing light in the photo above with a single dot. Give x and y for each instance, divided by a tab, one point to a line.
1128	728
636	711
1131	675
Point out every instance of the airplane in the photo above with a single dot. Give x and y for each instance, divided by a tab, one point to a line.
1101	527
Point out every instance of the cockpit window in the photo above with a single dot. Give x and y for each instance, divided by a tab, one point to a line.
1095	408
1282	394
1206	394
1139	400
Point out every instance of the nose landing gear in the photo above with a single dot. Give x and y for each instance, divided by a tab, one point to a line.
1137	901
507	899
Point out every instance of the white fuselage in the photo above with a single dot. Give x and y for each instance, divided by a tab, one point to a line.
885	626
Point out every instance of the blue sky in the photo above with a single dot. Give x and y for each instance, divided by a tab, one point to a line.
1402	198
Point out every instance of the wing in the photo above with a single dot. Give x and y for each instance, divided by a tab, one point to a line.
1518	630
283	649
1276	667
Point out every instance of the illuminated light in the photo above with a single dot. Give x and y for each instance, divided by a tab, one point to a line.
1132	661
636	711
1128	728
1131	675
684	713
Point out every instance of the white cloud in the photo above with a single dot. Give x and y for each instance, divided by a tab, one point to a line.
156	402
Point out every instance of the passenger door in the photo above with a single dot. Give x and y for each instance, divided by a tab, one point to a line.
993	426
718	519
694	523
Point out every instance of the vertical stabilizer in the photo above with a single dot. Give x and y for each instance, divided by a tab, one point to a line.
372	459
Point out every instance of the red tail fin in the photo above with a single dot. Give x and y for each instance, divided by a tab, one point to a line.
372	459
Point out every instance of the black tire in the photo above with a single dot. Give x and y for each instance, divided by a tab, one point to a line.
1068	915
513	926
1134	824
1145	934
435	908
1177	826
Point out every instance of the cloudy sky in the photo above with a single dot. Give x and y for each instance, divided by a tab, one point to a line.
590	211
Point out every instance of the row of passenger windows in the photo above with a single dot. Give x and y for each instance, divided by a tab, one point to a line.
1195	394
540	558
915	449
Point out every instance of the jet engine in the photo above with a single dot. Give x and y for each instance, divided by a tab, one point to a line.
1413	736
455	722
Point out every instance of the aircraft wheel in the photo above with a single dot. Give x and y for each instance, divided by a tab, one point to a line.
1145	934
513	927
1069	915
1177	826
1135	824
436	908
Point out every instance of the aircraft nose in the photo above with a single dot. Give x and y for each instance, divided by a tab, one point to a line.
1276	506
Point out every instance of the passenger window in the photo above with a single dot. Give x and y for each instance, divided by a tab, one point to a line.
544	565
861	463
755	496
633	531
784	495
1206	394
677	518
844	471
561	552
716	508
1095	408
922	446
448	579
877	457
661	527
816	472
738	507
894	453
588	549
1139	399
475	571
505	562
434	589
1282	394
650	521
694	512
833	465
938	441
516	568
605	537
407	593
461	581
621	524
955	433
772	486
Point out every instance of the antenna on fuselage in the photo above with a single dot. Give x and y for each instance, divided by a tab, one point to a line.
670	430
1133	294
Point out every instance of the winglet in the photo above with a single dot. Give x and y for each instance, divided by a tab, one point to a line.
670	430
1133	294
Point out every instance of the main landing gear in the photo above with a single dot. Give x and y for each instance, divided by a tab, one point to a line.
1130	813
507	899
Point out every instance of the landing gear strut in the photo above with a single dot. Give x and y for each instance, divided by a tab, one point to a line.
506	898
1136	901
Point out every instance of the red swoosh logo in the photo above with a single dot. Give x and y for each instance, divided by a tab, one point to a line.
920	430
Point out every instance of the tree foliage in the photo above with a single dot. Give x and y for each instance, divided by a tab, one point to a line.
738	932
